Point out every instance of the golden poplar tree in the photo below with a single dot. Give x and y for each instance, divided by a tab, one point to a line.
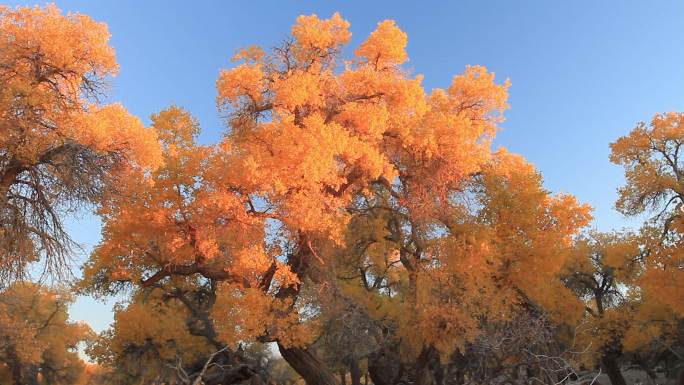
652	158
58	143
343	178
37	339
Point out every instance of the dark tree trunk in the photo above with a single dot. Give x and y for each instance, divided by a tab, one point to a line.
644	365
355	372
8	178
456	369
384	367
233	375
428	370
15	366
16	374
257	380
32	378
308	366
612	368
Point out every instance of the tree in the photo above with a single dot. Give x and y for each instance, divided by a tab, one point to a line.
343	178
152	224
58	143
650	155
527	348
504	240
37	340
138	349
348	336
93	375
603	269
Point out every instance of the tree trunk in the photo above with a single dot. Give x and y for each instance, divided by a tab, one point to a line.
384	367
343	377
307	365
16	373
644	365
232	375
32	378
456	369
15	366
613	370
8	179
428	370
355	372
257	380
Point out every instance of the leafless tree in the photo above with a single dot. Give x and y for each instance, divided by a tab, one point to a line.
525	350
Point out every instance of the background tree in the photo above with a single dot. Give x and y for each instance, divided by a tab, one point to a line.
38	343
601	273
527	348
348	337
58	143
94	374
504	239
138	348
651	157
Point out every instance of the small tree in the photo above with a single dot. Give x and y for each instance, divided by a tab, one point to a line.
37	340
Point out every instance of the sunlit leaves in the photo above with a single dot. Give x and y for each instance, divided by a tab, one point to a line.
345	178
59	145
35	332
651	157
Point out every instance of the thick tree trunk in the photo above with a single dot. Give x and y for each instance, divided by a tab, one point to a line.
456	369
308	366
16	374
15	366
7	179
613	370
384	367
257	380
355	372
428	370
233	375
644	365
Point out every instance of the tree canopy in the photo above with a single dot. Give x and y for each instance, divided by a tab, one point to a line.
37	339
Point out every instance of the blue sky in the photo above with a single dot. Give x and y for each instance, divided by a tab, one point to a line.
583	72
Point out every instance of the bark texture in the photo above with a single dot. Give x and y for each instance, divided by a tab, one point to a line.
308	365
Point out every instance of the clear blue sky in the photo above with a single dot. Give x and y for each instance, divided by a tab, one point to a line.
583	72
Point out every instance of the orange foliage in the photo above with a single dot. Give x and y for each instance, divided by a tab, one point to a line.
650	155
35	332
57	62
331	168
58	143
